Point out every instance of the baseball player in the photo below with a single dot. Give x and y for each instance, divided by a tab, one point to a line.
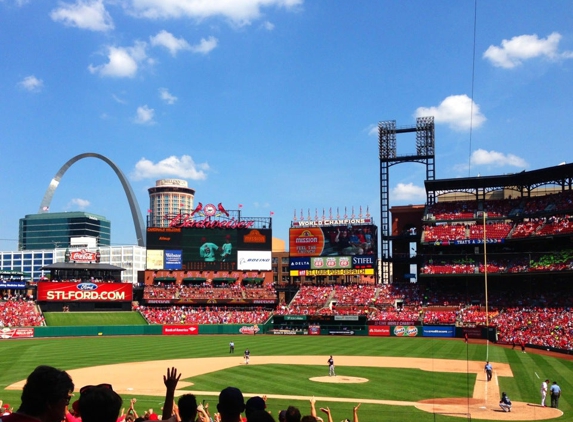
331	367
247	356
207	250
544	385
505	403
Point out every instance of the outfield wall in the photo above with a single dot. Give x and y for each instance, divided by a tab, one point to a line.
245	329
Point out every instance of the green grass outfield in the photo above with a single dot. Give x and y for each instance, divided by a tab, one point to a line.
19	357
67	319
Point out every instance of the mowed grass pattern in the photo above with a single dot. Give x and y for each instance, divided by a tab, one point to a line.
21	356
75	319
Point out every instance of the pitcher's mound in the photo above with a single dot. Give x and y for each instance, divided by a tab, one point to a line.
340	379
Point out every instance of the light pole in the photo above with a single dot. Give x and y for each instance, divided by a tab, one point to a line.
485	283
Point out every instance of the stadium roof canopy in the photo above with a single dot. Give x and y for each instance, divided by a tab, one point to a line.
81	266
523	182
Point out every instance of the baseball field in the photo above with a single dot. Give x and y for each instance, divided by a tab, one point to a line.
394	379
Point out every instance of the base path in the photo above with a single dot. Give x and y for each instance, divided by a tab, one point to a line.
146	378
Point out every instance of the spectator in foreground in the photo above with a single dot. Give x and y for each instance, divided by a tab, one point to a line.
254	404
187	405
260	416
292	414
231	404
45	397
99	403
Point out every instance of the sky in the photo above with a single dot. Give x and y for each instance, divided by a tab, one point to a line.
272	104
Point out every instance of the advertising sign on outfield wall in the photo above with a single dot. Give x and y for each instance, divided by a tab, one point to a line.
180	330
406	331
16	333
438	331
380	330
84	292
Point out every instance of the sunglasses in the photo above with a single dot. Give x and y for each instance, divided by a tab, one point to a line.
86	388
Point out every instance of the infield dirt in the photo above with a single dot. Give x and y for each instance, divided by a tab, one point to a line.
145	378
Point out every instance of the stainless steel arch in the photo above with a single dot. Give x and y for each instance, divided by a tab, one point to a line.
133	205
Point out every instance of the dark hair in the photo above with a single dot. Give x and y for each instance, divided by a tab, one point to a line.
260	416
231	402
187	407
99	404
292	414
46	385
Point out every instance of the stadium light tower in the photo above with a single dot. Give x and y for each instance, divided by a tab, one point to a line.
388	156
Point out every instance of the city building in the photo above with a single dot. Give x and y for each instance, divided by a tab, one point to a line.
130	257
55	230
31	262
28	262
169	197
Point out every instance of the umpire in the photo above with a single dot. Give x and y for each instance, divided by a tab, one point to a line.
555	394
488	370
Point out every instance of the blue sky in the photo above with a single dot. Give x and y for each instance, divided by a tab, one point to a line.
272	104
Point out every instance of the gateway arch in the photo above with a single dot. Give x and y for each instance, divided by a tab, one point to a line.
133	205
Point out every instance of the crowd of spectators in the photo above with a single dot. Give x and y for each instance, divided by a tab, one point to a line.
501	208
537	227
546	327
204	315
534	262
207	291
520	314
20	313
48	396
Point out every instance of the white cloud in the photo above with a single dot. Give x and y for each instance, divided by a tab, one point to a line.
78	203
166	96
269	26
482	157
408	192
84	14
173	166
239	12
144	115
372	130
168	40
31	83
118	99
205	45
123	61
456	111
513	52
